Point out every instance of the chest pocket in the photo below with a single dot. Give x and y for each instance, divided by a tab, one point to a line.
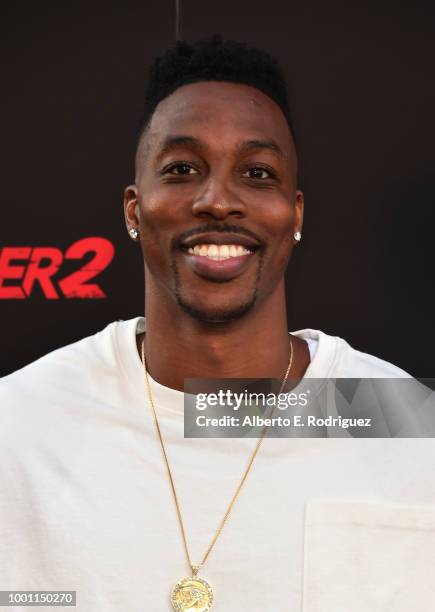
369	557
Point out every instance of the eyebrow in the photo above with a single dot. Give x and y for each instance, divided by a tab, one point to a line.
172	142
268	143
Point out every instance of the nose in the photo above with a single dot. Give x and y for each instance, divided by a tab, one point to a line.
219	203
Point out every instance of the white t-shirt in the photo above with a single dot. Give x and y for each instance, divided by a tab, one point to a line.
321	525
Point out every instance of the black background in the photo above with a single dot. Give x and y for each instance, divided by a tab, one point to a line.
362	93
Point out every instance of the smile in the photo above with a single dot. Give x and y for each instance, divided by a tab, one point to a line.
218	262
219	252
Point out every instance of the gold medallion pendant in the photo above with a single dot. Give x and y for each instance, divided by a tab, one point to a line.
192	594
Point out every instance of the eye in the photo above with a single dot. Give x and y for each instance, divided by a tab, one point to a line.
182	168
256	172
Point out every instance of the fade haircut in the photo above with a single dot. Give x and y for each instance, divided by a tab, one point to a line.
214	59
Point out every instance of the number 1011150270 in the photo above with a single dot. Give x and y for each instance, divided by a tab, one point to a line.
21	268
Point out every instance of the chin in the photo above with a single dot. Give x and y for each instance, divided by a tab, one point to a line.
215	314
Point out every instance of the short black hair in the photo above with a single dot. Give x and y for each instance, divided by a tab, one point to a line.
214	59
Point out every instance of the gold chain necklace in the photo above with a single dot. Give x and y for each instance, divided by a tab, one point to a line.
193	593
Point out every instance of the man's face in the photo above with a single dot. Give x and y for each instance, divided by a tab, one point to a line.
217	199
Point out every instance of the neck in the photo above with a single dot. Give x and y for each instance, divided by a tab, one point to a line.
257	345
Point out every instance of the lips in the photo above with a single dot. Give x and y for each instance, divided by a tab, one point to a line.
219	257
218	270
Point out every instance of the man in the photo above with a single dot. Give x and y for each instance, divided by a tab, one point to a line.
93	505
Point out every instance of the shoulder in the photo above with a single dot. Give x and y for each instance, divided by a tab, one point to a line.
354	363
336	358
55	400
54	404
79	363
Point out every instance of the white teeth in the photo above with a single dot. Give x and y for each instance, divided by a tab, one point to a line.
218	252
224	251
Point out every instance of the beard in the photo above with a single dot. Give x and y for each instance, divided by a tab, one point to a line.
210	314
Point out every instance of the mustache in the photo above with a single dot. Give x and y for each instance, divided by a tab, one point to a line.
215	227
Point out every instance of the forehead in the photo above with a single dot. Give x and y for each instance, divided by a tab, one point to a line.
219	113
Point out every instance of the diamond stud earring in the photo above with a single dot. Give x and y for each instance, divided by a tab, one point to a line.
297	236
133	233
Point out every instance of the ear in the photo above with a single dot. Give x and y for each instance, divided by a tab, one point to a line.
299	211
131	207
